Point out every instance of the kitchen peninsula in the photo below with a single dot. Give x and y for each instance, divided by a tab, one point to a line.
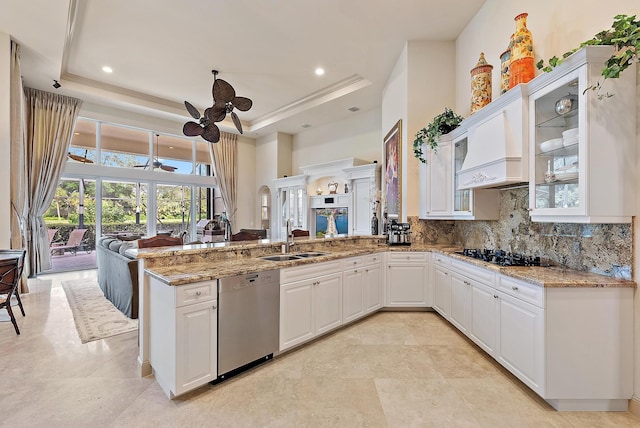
566	334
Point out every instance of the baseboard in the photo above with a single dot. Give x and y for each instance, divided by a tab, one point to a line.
634	405
144	368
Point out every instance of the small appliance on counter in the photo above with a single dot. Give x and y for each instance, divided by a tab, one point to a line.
398	233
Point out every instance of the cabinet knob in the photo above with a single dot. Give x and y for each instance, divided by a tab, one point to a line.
467	282
514	288
214	307
198	293
355	271
495	297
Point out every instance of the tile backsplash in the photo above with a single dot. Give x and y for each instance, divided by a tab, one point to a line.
599	248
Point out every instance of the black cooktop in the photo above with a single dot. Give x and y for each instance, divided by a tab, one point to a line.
501	257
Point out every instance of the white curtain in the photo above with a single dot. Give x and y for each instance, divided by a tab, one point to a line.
17	164
224	156
50	121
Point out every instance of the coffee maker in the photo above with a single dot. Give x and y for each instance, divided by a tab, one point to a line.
398	233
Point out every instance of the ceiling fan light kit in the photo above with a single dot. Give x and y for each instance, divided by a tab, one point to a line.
224	102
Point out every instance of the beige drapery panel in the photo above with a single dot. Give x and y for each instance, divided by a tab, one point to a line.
224	159
18	171
50	121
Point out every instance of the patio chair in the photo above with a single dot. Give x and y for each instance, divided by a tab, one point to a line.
73	243
52	234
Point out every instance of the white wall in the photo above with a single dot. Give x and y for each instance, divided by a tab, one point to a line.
5	139
247	190
420	87
357	136
557	27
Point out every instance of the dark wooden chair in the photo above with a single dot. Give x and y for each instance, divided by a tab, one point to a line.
11	265
262	233
159	241
299	232
245	236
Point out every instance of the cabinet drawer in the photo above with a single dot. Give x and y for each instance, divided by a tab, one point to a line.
440	260
308	271
406	256
529	293
372	259
351	262
196	293
482	275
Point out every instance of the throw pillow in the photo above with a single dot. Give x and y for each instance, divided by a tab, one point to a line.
115	245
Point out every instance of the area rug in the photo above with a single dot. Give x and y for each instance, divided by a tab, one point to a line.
95	316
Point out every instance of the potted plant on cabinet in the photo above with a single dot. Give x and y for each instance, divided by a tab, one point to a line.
441	124
624	36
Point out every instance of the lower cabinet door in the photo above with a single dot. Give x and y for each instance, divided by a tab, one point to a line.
196	352
372	280
460	310
352	295
327	297
406	285
442	291
521	340
484	318
296	313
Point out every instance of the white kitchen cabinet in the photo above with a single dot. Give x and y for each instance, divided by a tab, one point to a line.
484	318
521	341
364	182
407	279
460	306
310	302
361	286
183	343
589	178
353	295
373	291
441	285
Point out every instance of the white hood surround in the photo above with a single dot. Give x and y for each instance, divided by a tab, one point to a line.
497	141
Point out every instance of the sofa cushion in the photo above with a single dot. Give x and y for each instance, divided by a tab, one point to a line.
115	245
127	245
105	242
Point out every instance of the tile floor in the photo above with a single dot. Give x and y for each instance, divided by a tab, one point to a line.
393	369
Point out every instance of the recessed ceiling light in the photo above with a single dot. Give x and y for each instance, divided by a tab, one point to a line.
306	125
319	71
107	69
170	147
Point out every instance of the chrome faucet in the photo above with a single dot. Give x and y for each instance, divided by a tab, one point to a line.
289	241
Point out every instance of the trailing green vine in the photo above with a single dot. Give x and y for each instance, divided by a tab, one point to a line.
624	36
441	124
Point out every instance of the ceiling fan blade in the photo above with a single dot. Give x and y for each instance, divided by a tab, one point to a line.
216	113
222	91
79	158
211	133
192	110
192	129
242	103
236	121
168	168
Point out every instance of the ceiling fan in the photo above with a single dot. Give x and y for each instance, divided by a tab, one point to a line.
156	163
224	102
78	158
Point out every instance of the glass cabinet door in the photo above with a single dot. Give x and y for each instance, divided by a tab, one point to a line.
557	148
461	198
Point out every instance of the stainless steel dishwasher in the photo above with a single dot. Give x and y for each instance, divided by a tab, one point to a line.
248	320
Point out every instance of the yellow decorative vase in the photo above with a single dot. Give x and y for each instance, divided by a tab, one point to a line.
480	84
521	69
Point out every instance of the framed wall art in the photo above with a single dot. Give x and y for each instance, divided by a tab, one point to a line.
393	172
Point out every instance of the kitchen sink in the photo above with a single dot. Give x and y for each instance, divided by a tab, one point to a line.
281	258
311	254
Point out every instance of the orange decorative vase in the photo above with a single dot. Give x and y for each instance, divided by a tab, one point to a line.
480	84
521	68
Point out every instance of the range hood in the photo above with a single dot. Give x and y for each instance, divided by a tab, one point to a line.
497	150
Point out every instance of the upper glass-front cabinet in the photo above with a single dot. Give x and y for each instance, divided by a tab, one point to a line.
461	198
582	144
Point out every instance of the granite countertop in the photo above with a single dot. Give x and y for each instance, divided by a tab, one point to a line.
202	269
547	276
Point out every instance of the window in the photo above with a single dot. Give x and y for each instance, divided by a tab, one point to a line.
123	147
124	207
174	209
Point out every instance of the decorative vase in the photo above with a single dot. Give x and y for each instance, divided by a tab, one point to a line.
374	224
521	69
505	63
480	84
